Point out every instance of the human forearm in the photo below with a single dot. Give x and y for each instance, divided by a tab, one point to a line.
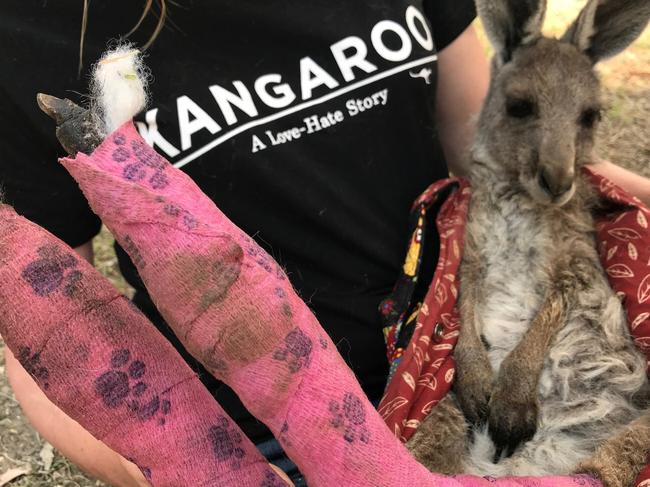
462	84
86	251
633	183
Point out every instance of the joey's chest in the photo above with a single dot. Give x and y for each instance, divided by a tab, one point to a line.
516	249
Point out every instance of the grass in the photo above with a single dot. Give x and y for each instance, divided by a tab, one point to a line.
624	139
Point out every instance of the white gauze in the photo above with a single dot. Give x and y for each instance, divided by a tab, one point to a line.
119	87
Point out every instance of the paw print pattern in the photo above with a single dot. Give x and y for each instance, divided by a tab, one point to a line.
53	271
31	362
296	350
149	164
184	216
121	386
226	442
272	480
263	259
350	417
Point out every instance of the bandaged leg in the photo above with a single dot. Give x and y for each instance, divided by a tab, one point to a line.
101	361
235	310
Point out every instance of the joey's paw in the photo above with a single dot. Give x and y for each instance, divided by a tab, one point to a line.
76	127
512	421
473	392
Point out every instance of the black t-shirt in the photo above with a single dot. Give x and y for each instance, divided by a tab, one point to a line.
309	123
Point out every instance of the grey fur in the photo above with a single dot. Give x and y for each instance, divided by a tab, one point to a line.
606	27
548	377
510	23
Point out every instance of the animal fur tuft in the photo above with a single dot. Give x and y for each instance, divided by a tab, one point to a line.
119	87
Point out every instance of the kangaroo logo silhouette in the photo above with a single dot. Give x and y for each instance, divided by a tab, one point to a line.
424	73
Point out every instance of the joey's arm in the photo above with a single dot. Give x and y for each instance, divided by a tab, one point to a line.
513	405
474	374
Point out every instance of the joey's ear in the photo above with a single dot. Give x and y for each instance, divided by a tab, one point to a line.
511	23
606	27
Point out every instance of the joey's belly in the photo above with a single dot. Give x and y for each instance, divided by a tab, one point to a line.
507	312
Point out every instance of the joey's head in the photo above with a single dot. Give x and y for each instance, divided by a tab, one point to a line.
539	118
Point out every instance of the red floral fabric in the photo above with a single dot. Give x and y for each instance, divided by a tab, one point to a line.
425	371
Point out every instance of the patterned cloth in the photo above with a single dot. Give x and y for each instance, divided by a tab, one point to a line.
421	337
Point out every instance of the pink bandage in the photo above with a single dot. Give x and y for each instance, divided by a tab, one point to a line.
234	309
105	365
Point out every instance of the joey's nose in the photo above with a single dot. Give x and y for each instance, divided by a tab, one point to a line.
555	184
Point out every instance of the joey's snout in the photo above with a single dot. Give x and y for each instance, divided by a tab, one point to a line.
555	174
555	182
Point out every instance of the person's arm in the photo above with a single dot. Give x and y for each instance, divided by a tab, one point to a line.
86	251
633	183
463	78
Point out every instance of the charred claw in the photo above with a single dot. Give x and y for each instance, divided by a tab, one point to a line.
60	110
77	129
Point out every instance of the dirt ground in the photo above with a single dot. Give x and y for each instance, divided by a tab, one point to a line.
624	139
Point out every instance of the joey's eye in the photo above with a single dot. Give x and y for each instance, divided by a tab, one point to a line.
589	117
520	107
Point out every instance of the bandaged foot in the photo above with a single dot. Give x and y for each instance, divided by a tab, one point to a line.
106	366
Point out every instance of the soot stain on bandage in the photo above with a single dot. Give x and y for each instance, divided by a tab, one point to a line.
296	350
215	365
123	385
53	270
350	418
79	352
217	273
134	252
247	337
112	319
286	310
226	442
271	479
31	362
207	277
